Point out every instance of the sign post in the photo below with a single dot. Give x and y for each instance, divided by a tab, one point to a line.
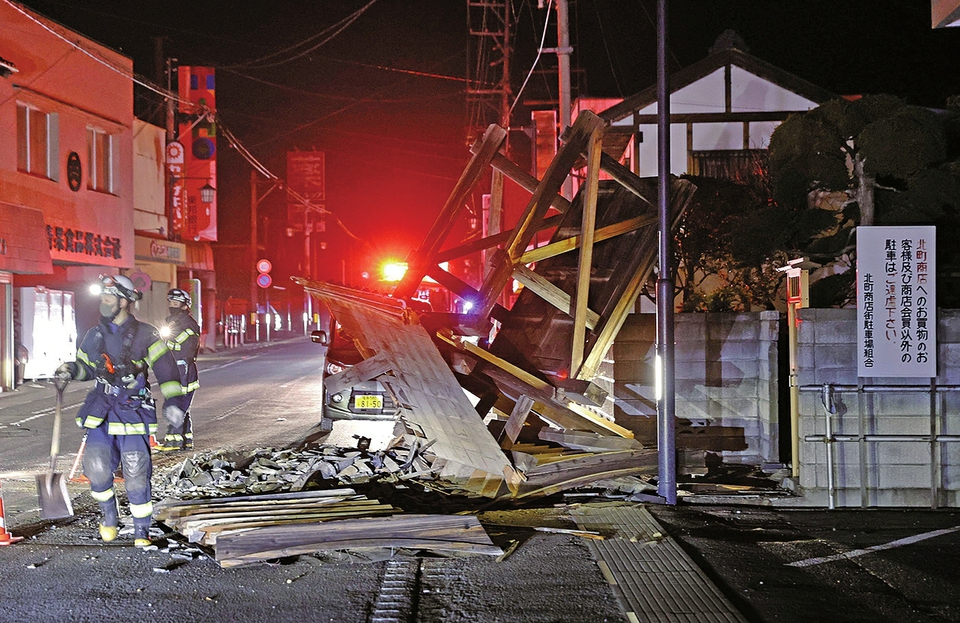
264	280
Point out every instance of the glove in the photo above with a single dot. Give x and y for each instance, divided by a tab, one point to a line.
174	415
66	372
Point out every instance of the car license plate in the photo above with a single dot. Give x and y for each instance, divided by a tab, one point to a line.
368	401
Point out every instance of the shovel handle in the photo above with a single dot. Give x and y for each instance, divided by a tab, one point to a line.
55	442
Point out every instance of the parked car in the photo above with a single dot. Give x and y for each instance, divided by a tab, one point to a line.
367	400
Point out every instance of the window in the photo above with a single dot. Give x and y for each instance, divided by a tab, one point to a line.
100	159
740	165
37	138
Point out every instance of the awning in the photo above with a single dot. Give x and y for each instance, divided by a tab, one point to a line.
199	255
24	244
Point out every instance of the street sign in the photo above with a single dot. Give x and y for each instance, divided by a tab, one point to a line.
264	266
264	280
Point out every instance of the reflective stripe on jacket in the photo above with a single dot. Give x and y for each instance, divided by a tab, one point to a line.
125	404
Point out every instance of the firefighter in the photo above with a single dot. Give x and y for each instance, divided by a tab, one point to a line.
119	414
182	334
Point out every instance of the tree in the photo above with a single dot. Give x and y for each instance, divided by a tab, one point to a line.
889	160
731	239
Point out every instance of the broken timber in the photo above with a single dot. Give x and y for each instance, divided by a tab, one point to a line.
579	289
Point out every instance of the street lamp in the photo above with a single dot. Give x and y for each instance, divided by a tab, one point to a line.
207	193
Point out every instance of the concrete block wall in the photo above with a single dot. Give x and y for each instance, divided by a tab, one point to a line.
726	383
900	473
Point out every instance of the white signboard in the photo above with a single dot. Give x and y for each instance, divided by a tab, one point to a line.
896	301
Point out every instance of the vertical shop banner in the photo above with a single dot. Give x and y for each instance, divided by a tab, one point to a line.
306	177
896	301
198	136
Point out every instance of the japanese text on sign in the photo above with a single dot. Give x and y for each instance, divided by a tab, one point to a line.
896	301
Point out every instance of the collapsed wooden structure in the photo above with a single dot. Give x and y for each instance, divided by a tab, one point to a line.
540	368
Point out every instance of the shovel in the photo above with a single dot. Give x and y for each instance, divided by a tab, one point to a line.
55	502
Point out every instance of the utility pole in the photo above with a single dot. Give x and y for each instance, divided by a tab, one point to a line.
488	22
563	51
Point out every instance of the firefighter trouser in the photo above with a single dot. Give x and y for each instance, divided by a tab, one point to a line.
181	436
104	453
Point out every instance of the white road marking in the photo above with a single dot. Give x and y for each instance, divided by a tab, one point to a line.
229	363
312	376
809	562
40	414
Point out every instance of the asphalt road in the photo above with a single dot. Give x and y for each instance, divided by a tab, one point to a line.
773	564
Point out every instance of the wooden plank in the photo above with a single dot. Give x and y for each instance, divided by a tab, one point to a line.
587	226
551	293
162	507
525	180
175	514
529	222
590	442
504	365
492	240
517	417
490	144
461	533
604	233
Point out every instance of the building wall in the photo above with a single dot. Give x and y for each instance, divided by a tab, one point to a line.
726	383
85	85
729	383
895	473
82	85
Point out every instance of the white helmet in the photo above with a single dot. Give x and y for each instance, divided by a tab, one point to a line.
120	286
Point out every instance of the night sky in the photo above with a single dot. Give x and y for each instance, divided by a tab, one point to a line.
396	141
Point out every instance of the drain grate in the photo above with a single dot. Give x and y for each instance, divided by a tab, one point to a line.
396	600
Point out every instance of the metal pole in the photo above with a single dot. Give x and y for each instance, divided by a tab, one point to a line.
794	391
563	64
666	411
254	297
828	439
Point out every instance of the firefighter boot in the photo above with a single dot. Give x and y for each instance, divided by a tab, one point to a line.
141	535
111	520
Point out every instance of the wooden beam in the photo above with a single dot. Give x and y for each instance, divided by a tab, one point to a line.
504	365
529	223
551	293
525	180
624	176
588	224
680	195
492	240
489	146
573	242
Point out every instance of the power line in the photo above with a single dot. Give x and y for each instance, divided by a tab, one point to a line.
340	26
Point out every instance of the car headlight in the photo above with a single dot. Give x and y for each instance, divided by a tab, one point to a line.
338	398
333	368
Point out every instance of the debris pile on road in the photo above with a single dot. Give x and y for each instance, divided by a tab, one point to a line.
249	529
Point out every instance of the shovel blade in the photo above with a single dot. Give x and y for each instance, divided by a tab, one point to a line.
54	499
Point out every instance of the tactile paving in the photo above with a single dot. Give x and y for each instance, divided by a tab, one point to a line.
654	578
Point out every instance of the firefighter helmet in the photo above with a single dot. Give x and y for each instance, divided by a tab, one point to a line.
176	295
120	286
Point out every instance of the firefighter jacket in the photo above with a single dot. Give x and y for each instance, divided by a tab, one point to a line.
118	358
184	342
